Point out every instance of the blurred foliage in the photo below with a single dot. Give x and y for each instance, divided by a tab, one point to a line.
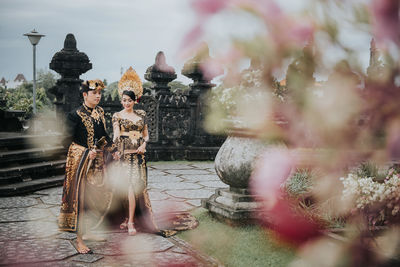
21	98
370	169
299	184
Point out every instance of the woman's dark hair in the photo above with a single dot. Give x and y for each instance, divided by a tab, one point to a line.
131	94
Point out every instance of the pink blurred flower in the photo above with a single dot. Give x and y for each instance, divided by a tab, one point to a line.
284	29
291	227
272	169
393	144
192	37
213	67
209	7
386	20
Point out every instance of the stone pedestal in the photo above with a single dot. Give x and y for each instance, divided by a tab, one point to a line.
234	163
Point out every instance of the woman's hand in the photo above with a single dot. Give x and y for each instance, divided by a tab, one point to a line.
92	154
142	149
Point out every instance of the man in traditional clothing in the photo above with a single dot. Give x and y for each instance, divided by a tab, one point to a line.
86	198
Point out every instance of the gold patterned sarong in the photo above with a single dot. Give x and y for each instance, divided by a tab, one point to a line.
86	198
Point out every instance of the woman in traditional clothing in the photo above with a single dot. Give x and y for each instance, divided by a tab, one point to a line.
85	199
131	136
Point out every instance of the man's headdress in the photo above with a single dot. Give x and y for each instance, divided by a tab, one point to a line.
92	85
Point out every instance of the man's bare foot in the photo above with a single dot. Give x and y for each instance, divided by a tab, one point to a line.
82	248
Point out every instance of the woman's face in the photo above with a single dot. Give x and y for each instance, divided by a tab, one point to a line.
127	102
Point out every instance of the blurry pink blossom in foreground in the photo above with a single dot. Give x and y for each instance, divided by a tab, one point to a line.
290	226
207	7
284	29
272	170
213	67
386	21
192	37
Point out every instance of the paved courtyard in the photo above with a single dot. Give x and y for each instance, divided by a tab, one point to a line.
29	235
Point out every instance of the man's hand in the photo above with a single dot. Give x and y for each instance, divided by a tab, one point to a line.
116	155
92	154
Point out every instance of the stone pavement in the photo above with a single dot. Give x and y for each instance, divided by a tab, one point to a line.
29	235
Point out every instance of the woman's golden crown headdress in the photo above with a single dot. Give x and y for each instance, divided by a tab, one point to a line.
130	81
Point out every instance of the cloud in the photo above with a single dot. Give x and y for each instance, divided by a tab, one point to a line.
113	34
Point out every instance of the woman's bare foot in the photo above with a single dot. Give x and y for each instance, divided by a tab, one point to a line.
81	247
131	229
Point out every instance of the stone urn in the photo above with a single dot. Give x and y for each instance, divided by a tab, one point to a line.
234	164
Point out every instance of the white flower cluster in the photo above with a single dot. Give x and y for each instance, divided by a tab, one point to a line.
366	192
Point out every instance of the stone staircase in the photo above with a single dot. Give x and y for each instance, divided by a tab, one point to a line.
30	162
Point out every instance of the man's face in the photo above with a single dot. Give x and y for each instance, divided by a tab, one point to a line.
92	98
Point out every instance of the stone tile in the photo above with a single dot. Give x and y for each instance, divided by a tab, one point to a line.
162	207
35	250
23	214
121	243
213	184
67	235
55	210
190	171
203	165
51	191
177	249
156	173
170	166
17	202
43	206
65	263
164	179
176	186
194	202
27	230
132	260
157	195
202	177
177	259
190	194
51	199
87	258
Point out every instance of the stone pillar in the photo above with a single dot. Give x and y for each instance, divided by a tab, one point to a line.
160	74
197	95
234	164
70	64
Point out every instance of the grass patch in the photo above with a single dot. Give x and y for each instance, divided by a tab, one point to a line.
236	246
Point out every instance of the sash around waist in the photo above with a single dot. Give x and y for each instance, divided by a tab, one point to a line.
132	134
80	147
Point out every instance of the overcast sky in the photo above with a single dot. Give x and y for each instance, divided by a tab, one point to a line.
113	33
